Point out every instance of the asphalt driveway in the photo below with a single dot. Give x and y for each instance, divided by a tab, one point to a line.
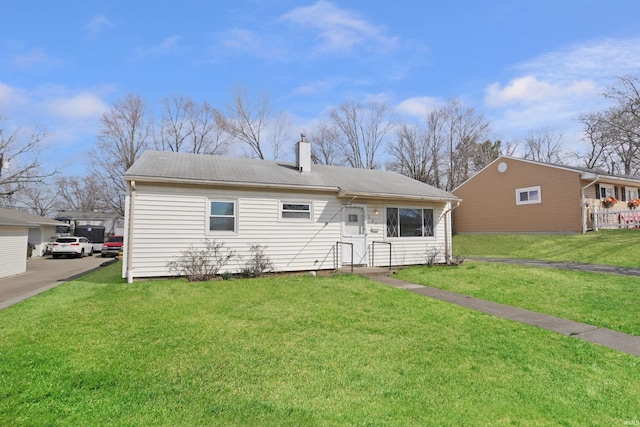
43	274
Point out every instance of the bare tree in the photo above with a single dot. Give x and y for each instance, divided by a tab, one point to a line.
614	134
187	126
81	193
324	148
39	199
598	138
412	156
124	136
361	131
464	128
20	164
248	119
206	136
173	129
544	145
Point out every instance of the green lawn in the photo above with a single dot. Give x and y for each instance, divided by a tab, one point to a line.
293	351
609	247
604	300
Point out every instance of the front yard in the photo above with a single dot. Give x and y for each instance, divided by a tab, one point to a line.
286	350
609	247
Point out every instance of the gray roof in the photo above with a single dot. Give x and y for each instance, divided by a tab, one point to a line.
16	218
161	166
78	215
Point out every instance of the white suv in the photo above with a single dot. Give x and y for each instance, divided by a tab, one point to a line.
73	246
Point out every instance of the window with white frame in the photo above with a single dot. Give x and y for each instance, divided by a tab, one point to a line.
222	215
529	195
631	193
295	211
409	222
606	190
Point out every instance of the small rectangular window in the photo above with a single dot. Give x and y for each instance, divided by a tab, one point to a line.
222	216
526	196
295	211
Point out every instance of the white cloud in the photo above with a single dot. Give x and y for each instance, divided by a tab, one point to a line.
529	89
81	106
167	46
340	30
10	96
238	41
418	106
30	59
553	89
97	25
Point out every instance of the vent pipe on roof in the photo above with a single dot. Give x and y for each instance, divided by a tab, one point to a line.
303	155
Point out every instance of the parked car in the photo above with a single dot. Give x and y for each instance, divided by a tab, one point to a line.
49	245
112	246
72	246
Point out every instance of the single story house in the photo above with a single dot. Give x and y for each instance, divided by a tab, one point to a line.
112	222
512	195
18	229
308	217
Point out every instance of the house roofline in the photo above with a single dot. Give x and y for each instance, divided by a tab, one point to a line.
247	184
340	192
387	196
583	174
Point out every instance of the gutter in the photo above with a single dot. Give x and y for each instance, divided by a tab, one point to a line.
128	253
583	207
447	244
341	192
158	180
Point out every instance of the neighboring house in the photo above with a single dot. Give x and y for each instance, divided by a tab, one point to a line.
95	226
522	196
112	222
17	230
297	211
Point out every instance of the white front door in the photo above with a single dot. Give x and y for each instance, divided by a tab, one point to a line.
354	230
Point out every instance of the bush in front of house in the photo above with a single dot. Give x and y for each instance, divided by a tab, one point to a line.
202	263
258	264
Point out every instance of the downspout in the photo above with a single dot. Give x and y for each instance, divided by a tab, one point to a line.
447	244
128	254
584	208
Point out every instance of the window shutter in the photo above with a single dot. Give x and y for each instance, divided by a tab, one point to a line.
624	194
597	191
615	192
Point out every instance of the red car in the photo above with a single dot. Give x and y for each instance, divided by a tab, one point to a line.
112	246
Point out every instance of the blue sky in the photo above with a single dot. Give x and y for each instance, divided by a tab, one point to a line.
525	65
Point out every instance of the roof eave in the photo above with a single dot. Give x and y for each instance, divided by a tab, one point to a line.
389	196
608	178
163	180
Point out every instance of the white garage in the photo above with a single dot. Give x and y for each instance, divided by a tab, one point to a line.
17	230
13	249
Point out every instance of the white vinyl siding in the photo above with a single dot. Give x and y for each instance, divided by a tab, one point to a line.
161	234
169	219
13	250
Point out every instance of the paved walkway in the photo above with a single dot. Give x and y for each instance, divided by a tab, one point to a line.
592	268
616	340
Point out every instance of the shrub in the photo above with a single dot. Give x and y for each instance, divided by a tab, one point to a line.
258	264
431	257
203	263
